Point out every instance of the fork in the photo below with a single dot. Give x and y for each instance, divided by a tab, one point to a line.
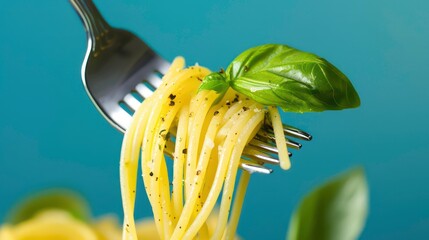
119	71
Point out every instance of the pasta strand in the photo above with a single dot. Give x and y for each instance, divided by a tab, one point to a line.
280	138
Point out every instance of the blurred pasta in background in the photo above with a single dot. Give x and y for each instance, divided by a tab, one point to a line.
336	209
63	215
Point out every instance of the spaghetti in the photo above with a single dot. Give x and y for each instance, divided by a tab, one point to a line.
207	137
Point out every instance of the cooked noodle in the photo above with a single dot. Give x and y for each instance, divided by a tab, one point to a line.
206	138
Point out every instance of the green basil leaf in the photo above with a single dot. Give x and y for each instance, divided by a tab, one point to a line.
294	80
215	81
50	199
335	211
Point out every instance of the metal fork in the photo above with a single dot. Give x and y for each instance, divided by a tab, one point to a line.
120	71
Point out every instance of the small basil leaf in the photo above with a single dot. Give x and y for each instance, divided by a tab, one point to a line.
215	81
296	81
62	199
336	210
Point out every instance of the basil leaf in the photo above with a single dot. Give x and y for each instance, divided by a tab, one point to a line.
335	211
50	199
296	81
215	81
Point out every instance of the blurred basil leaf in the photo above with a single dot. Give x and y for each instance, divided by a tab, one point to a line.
335	211
296	81
50	199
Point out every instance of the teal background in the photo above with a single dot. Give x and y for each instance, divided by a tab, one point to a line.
51	135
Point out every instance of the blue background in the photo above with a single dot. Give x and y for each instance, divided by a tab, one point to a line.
51	134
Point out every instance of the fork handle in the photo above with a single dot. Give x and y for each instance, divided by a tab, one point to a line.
95	25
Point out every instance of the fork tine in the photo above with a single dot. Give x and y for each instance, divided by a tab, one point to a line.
163	67
131	101
295	132
270	138
255	168
293	144
143	90
154	80
264	146
290	131
258	156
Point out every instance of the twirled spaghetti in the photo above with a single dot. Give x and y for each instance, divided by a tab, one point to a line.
206	137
